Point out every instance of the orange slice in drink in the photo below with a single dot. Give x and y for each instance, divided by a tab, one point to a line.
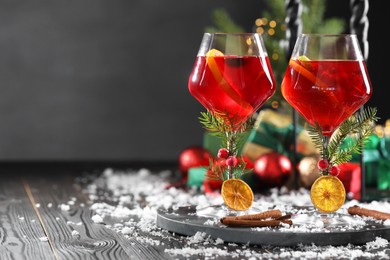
223	83
237	194
327	193
304	71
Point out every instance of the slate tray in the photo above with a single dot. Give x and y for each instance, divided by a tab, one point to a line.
186	221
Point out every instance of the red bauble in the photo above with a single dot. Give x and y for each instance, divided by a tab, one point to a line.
248	163
273	169
350	176
195	156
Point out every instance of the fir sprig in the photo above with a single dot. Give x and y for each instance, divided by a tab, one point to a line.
212	124
358	127
226	128
218	171
232	134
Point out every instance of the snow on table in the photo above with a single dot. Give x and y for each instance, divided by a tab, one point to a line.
131	199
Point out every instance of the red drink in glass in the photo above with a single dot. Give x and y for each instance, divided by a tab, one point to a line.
232	86
328	91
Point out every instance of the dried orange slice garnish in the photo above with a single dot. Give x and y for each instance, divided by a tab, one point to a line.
237	194
223	83
327	193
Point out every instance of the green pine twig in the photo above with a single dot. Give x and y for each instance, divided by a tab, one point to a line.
217	126
358	126
232	135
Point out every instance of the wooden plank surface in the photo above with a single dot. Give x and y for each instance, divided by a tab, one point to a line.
35	222
21	234
55	205
67	221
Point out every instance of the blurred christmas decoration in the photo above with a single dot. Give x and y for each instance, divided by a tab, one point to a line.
268	142
308	170
273	132
273	169
377	158
211	185
350	176
192	157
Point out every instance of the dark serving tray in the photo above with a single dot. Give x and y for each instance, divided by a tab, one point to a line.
186	221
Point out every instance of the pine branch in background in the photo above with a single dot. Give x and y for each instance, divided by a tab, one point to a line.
313	11
336	25
223	23
313	18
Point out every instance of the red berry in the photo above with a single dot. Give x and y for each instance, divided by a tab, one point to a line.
322	164
334	170
223	153
231	161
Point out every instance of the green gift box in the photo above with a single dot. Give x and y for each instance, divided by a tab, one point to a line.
376	161
384	175
384	164
274	132
196	176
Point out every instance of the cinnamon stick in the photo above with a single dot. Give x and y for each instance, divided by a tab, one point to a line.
356	210
270	218
275	213
254	223
285	217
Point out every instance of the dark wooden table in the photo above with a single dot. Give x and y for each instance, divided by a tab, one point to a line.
33	225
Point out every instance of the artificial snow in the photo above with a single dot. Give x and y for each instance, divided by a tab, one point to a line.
97	219
65	207
44	239
75	233
130	199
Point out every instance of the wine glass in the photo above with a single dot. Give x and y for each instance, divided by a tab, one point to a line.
232	78
327	81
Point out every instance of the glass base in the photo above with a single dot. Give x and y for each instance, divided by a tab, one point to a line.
314	219
220	211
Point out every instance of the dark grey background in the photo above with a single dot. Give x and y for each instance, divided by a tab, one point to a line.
99	79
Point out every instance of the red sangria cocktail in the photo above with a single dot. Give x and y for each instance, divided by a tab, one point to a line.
231	78
327	81
326	91
232	75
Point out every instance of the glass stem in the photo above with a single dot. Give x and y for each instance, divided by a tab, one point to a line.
325	155
231	147
325	143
